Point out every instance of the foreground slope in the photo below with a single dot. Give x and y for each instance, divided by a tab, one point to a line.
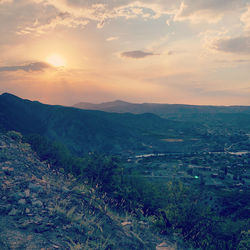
41	208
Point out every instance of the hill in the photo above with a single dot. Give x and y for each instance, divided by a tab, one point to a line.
38	212
85	130
223	125
163	110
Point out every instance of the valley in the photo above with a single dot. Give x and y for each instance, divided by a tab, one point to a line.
187	174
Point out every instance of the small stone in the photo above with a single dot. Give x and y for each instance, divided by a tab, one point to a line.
142	222
42	228
22	202
34	195
37	203
16	196
5	209
65	190
163	246
7	183
125	223
27	193
25	224
27	210
8	171
35	188
13	212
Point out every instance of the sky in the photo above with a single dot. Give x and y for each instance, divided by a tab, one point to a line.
162	51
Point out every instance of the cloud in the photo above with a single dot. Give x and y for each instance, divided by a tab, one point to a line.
136	54
238	45
245	18
5	1
210	11
112	38
31	67
39	16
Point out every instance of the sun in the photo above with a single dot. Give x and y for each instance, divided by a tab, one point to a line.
56	60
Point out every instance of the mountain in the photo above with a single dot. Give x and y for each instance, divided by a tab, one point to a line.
42	208
163	110
86	130
105	106
212	117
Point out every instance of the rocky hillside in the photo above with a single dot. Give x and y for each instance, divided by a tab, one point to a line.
41	208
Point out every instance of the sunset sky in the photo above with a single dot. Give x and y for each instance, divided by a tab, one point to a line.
164	51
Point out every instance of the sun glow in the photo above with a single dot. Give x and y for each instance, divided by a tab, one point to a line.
56	60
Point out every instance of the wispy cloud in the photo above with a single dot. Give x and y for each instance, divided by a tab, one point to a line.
136	54
210	11
36	66
245	18
112	38
39	16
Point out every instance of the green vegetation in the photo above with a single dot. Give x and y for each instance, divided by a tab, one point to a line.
171	207
15	135
82	143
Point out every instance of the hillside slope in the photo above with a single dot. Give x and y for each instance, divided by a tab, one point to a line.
84	130
218	120
41	208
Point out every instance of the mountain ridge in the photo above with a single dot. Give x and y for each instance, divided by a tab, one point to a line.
160	109
84	130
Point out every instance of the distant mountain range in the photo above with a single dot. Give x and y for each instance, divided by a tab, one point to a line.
163	110
168	128
213	117
89	130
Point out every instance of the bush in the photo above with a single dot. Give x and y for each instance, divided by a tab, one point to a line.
15	135
244	241
170	207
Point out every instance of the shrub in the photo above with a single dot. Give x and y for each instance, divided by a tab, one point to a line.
15	135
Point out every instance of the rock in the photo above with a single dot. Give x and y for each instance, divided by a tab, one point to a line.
13	212
143	223
35	188
27	210
27	193
164	246
7	170
5	209
25	224
43	228
65	190
16	196
125	223
22	202
37	203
